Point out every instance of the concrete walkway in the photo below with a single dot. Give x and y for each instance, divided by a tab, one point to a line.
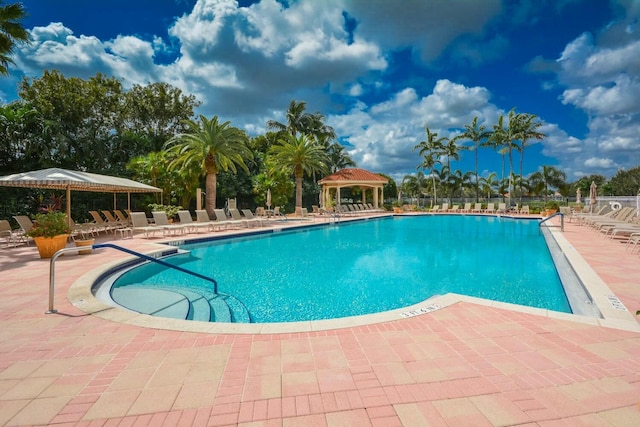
466	364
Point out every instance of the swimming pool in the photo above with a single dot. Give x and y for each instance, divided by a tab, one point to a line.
358	268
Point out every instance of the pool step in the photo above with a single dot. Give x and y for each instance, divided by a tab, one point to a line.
164	301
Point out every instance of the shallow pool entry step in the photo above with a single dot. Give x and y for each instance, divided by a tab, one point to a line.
180	303
155	302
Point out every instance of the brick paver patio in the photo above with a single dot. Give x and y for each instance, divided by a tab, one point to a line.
465	364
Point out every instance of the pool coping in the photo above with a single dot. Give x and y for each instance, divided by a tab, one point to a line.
614	314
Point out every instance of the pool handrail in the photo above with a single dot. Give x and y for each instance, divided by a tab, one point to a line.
119	248
552	216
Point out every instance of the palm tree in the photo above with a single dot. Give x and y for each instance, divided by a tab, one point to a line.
214	147
338	159
299	121
431	149
10	33
527	129
475	134
299	155
549	176
489	184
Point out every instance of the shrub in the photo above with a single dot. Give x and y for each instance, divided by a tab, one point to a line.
49	225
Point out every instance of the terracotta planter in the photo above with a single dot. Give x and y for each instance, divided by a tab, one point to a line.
47	246
82	243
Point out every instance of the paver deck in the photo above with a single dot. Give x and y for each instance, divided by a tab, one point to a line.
465	364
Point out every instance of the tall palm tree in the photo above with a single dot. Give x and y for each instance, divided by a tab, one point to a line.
215	147
338	159
431	149
489	184
299	155
11	31
549	176
476	134
527	129
300	121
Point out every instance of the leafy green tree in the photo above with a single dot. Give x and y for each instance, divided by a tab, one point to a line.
584	183
390	189
624	183
214	147
477	135
11	32
157	111
81	117
299	155
21	138
414	185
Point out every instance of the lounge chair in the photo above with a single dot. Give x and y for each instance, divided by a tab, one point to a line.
524	210
455	209
25	224
477	208
466	208
236	216
633	241
187	221
122	217
251	217
100	223
490	208
435	208
445	207
112	221
162	221
222	218
203	218
139	223
10	235
502	208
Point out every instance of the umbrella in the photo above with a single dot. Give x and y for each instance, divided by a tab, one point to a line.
269	198
593	194
63	179
578	195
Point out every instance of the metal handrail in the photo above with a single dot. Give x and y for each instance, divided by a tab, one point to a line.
551	216
119	248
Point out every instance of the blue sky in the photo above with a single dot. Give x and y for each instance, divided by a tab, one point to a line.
379	70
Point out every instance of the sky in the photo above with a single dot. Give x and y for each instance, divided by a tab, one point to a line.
380	71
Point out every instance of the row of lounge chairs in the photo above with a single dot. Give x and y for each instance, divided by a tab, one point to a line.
220	221
477	208
622	224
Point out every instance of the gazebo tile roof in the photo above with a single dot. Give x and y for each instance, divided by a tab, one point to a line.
353	174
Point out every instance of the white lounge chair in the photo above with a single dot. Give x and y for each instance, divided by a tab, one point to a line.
139	223
162	221
190	225
490	208
203	218
222	217
251	217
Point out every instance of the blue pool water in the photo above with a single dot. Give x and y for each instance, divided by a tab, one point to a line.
364	267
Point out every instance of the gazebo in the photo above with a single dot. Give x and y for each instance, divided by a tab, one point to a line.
353	177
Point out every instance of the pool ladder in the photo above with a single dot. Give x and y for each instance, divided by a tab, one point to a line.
52	268
548	218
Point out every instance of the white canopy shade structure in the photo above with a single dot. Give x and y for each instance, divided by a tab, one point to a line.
63	179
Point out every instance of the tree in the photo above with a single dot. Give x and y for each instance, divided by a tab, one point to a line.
527	128
11	32
414	185
489	184
299	155
476	134
547	178
624	183
338	159
299	121
214	147
431	149
157	111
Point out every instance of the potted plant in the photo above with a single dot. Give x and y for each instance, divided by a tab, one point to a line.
170	210
551	207
50	232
